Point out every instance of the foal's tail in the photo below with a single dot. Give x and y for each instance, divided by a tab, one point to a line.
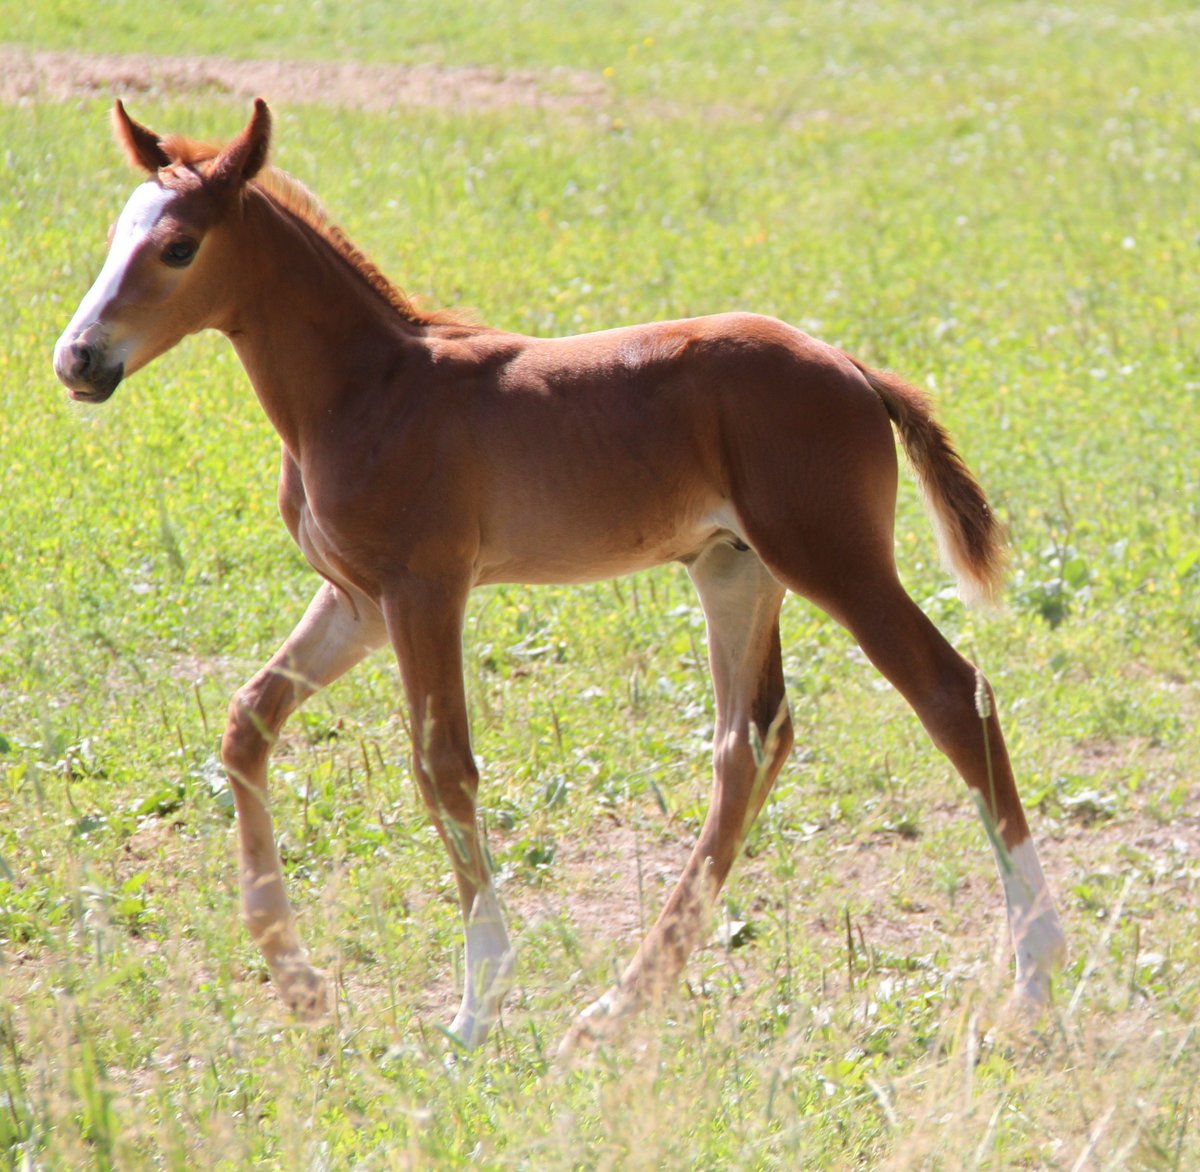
968	534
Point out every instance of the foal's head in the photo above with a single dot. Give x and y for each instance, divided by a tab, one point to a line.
168	261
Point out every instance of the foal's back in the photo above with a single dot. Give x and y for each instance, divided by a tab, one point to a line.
603	453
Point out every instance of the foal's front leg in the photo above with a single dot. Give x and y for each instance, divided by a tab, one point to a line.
331	638
424	619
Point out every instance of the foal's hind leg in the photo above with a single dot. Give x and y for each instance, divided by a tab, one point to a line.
753	735
330	639
957	708
956	705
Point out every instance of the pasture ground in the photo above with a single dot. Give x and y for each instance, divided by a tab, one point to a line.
997	200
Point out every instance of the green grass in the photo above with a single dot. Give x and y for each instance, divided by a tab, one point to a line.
997	200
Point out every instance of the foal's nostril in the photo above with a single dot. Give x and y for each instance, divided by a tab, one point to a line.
84	357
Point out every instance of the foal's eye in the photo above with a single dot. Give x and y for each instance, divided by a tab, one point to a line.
179	254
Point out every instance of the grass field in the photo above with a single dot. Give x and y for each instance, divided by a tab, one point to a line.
997	200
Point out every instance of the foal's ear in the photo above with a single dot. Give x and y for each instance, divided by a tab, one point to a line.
245	155
142	146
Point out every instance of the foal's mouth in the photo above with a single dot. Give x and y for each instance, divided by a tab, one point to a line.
98	387
100	391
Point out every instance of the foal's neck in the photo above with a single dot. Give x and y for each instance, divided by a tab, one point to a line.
310	331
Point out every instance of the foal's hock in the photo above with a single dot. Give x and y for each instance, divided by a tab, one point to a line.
424	456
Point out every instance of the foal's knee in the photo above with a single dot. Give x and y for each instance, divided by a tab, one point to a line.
248	738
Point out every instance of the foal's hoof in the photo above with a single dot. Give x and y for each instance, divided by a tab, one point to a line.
470	1031
1031	998
304	990
596	1024
1023	1018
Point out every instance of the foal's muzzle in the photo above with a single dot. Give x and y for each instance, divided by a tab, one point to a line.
83	370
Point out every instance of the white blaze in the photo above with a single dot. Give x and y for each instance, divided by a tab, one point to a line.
146	205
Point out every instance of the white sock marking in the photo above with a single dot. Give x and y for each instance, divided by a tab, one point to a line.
489	964
1037	934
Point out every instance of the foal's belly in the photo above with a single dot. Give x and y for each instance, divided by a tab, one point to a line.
581	552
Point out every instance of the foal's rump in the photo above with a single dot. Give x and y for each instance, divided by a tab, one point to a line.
810	461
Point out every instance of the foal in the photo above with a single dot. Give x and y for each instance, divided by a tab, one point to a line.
423	457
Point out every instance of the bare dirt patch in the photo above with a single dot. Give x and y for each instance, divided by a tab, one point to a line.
42	75
607	889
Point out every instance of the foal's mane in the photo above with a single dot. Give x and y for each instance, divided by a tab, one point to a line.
291	196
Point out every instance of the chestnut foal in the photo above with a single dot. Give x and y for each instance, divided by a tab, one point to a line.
423	457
